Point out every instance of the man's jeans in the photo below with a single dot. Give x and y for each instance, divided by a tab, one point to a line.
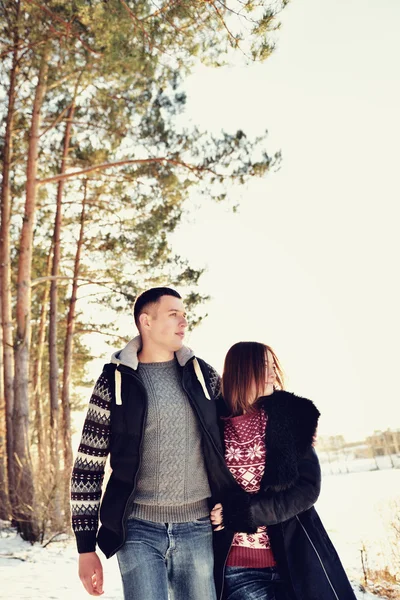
167	561
253	584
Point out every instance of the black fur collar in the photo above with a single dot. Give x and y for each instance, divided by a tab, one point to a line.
291	426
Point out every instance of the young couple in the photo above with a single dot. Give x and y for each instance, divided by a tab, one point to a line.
190	453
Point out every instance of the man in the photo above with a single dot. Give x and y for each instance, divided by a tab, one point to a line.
152	411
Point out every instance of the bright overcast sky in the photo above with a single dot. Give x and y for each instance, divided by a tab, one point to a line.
309	265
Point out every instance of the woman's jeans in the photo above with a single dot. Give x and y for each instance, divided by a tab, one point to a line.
253	584
167	561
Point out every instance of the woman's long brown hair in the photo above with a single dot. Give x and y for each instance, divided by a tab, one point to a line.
243	379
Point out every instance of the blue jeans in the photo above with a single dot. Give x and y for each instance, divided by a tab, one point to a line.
167	561
242	583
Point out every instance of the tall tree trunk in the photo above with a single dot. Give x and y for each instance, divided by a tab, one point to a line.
5	266
68	348
53	357
4	504
37	376
25	517
53	354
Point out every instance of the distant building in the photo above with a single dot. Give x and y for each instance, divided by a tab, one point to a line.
380	443
362	450
331	443
331	448
384	442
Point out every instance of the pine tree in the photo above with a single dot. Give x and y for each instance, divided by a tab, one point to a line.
94	90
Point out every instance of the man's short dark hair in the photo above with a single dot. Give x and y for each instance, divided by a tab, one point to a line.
151	296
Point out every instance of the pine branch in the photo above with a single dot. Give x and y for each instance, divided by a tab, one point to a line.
59	118
69	76
162	10
23	49
122	163
67	25
137	22
66	277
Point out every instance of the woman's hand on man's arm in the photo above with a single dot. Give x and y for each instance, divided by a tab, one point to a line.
246	512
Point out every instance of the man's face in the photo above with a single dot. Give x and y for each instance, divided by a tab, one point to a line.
167	323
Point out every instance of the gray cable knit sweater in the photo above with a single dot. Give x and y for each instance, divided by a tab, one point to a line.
172	484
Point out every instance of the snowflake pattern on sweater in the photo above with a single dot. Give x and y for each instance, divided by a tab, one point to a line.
245	456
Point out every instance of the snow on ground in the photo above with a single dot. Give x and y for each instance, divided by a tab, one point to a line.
350	464
350	507
356	509
33	573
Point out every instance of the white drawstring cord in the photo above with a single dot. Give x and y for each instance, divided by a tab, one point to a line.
118	385
197	370
200	377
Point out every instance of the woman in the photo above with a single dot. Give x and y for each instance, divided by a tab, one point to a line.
269	542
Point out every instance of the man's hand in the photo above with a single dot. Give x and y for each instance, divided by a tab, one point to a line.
91	573
216	517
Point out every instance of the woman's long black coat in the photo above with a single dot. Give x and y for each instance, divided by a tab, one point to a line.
289	488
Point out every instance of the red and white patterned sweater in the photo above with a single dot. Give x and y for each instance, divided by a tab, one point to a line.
245	456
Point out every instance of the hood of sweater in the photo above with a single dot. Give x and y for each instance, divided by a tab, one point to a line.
128	356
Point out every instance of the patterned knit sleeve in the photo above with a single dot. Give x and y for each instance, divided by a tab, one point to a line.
215	381
88	471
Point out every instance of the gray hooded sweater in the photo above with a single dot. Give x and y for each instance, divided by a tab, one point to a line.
172	483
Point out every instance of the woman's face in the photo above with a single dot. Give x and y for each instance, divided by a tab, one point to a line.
270	376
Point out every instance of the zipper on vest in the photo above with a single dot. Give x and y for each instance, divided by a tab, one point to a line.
319	558
193	405
139	464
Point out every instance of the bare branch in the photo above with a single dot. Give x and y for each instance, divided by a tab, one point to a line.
230	34
122	163
136	21
57	120
66	277
23	49
120	337
53	538
68	77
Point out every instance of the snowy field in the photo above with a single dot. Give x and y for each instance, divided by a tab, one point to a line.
352	507
356	509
